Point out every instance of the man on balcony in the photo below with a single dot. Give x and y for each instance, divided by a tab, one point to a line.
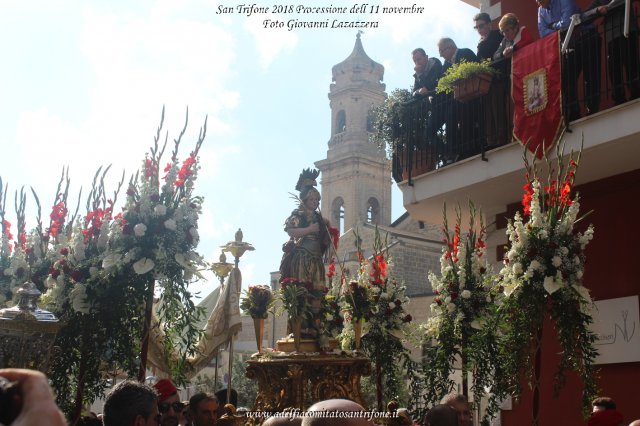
428	71
462	121
583	56
489	39
622	51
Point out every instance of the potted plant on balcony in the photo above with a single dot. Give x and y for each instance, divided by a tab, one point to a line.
399	127
467	80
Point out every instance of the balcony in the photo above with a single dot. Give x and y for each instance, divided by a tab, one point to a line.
448	151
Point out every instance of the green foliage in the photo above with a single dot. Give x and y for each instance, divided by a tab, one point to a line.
247	389
387	118
463	70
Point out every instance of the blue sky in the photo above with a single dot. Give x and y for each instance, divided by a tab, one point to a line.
82	83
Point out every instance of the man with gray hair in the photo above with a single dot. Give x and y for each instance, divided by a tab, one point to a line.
131	403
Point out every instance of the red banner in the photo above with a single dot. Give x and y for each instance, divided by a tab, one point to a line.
537	94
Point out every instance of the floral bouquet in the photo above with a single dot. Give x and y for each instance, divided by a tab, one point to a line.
257	301
542	273
461	310
101	272
294	296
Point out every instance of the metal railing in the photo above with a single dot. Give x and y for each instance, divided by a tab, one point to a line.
601	69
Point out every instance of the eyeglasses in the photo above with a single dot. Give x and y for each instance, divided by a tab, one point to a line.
164	407
480	26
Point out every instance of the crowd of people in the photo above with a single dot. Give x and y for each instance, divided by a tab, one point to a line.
468	126
132	403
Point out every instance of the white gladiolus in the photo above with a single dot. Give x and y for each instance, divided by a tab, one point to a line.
160	210
170	224
466	294
140	229
451	307
517	268
556	261
50	282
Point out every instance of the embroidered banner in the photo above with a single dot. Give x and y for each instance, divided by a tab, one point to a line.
537	94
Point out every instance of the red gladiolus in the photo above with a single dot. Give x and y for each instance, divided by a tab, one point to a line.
332	269
407	318
149	169
7	229
527	197
335	236
186	170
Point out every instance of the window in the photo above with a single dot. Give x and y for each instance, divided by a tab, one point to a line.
337	214
341	122
373	211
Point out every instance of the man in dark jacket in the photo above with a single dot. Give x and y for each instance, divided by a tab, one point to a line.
461	120
489	39
428	71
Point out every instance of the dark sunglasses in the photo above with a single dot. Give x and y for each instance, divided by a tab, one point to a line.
164	407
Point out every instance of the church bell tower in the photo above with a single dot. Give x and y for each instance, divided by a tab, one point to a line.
356	178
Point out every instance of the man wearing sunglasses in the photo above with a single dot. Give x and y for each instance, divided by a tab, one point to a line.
169	405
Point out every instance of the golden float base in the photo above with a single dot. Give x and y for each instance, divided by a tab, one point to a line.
299	379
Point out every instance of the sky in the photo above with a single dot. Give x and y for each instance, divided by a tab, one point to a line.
83	84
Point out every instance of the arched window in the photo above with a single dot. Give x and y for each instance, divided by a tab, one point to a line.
341	122
337	214
373	211
370	118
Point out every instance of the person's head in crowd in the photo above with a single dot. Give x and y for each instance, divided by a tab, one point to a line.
441	415
204	409
603	403
420	58
482	24
459	403
169	404
604	413
221	395
447	48
635	423
509	26
335	405
89	421
131	403
282	421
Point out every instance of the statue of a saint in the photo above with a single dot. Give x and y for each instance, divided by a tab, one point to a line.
303	258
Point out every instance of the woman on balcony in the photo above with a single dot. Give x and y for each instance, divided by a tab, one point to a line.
515	36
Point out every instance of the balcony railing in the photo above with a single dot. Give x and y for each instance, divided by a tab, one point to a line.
600	70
